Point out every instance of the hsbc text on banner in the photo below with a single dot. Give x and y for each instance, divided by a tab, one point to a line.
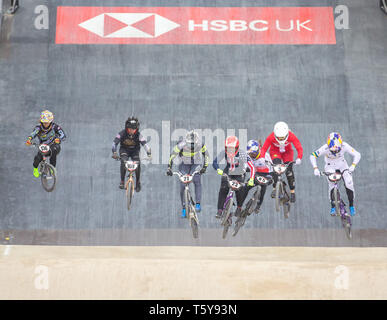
195	25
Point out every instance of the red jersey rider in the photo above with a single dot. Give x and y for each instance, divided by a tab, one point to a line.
280	143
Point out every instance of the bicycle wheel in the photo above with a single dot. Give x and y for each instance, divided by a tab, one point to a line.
240	222
278	194
129	193
249	207
253	202
286	209
48	177
194	227
346	221
336	200
225	228
194	221
227	212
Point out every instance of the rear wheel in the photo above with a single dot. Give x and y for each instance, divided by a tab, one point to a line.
48	177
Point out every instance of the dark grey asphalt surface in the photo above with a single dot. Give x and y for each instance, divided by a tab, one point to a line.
92	89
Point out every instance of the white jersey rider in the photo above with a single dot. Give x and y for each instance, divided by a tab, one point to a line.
334	151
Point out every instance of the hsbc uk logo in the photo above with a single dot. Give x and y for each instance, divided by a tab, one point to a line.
195	25
129	25
151	25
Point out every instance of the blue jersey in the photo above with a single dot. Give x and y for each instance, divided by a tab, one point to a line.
48	136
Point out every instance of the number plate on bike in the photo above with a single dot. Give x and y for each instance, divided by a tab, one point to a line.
334	177
186	178
44	148
234	184
262	180
131	166
280	168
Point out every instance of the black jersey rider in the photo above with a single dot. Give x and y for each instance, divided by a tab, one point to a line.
130	140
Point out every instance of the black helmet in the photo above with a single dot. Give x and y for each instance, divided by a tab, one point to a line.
132	123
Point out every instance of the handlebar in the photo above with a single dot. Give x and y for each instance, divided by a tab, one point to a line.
324	173
38	144
136	161
229	178
285	164
181	174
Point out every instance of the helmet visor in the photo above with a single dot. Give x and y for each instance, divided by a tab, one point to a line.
253	154
231	150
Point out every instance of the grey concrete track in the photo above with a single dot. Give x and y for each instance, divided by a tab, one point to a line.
92	89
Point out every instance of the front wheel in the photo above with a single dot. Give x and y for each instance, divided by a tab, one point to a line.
252	204
48	177
240	222
227	212
278	194
195	228
346	221
226	227
129	193
286	208
336	200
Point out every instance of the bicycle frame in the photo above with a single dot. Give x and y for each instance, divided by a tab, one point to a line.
187	180
189	203
232	190
234	186
131	166
335	178
283	196
44	166
259	182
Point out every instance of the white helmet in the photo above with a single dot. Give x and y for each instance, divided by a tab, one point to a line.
281	132
192	137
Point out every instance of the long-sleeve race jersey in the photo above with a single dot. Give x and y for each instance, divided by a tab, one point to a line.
260	165
48	136
274	146
190	155
130	142
236	165
334	158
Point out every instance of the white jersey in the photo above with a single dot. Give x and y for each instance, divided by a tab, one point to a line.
335	159
260	165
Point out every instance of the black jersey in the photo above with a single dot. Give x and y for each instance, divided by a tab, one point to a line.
130	142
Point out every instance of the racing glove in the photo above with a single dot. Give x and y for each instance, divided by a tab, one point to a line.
219	171
251	182
115	155
29	141
203	170
57	140
298	161
316	172
169	172
351	168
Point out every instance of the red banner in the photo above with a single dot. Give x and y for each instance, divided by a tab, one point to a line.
195	25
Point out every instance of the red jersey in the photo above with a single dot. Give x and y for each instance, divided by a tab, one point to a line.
285	151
